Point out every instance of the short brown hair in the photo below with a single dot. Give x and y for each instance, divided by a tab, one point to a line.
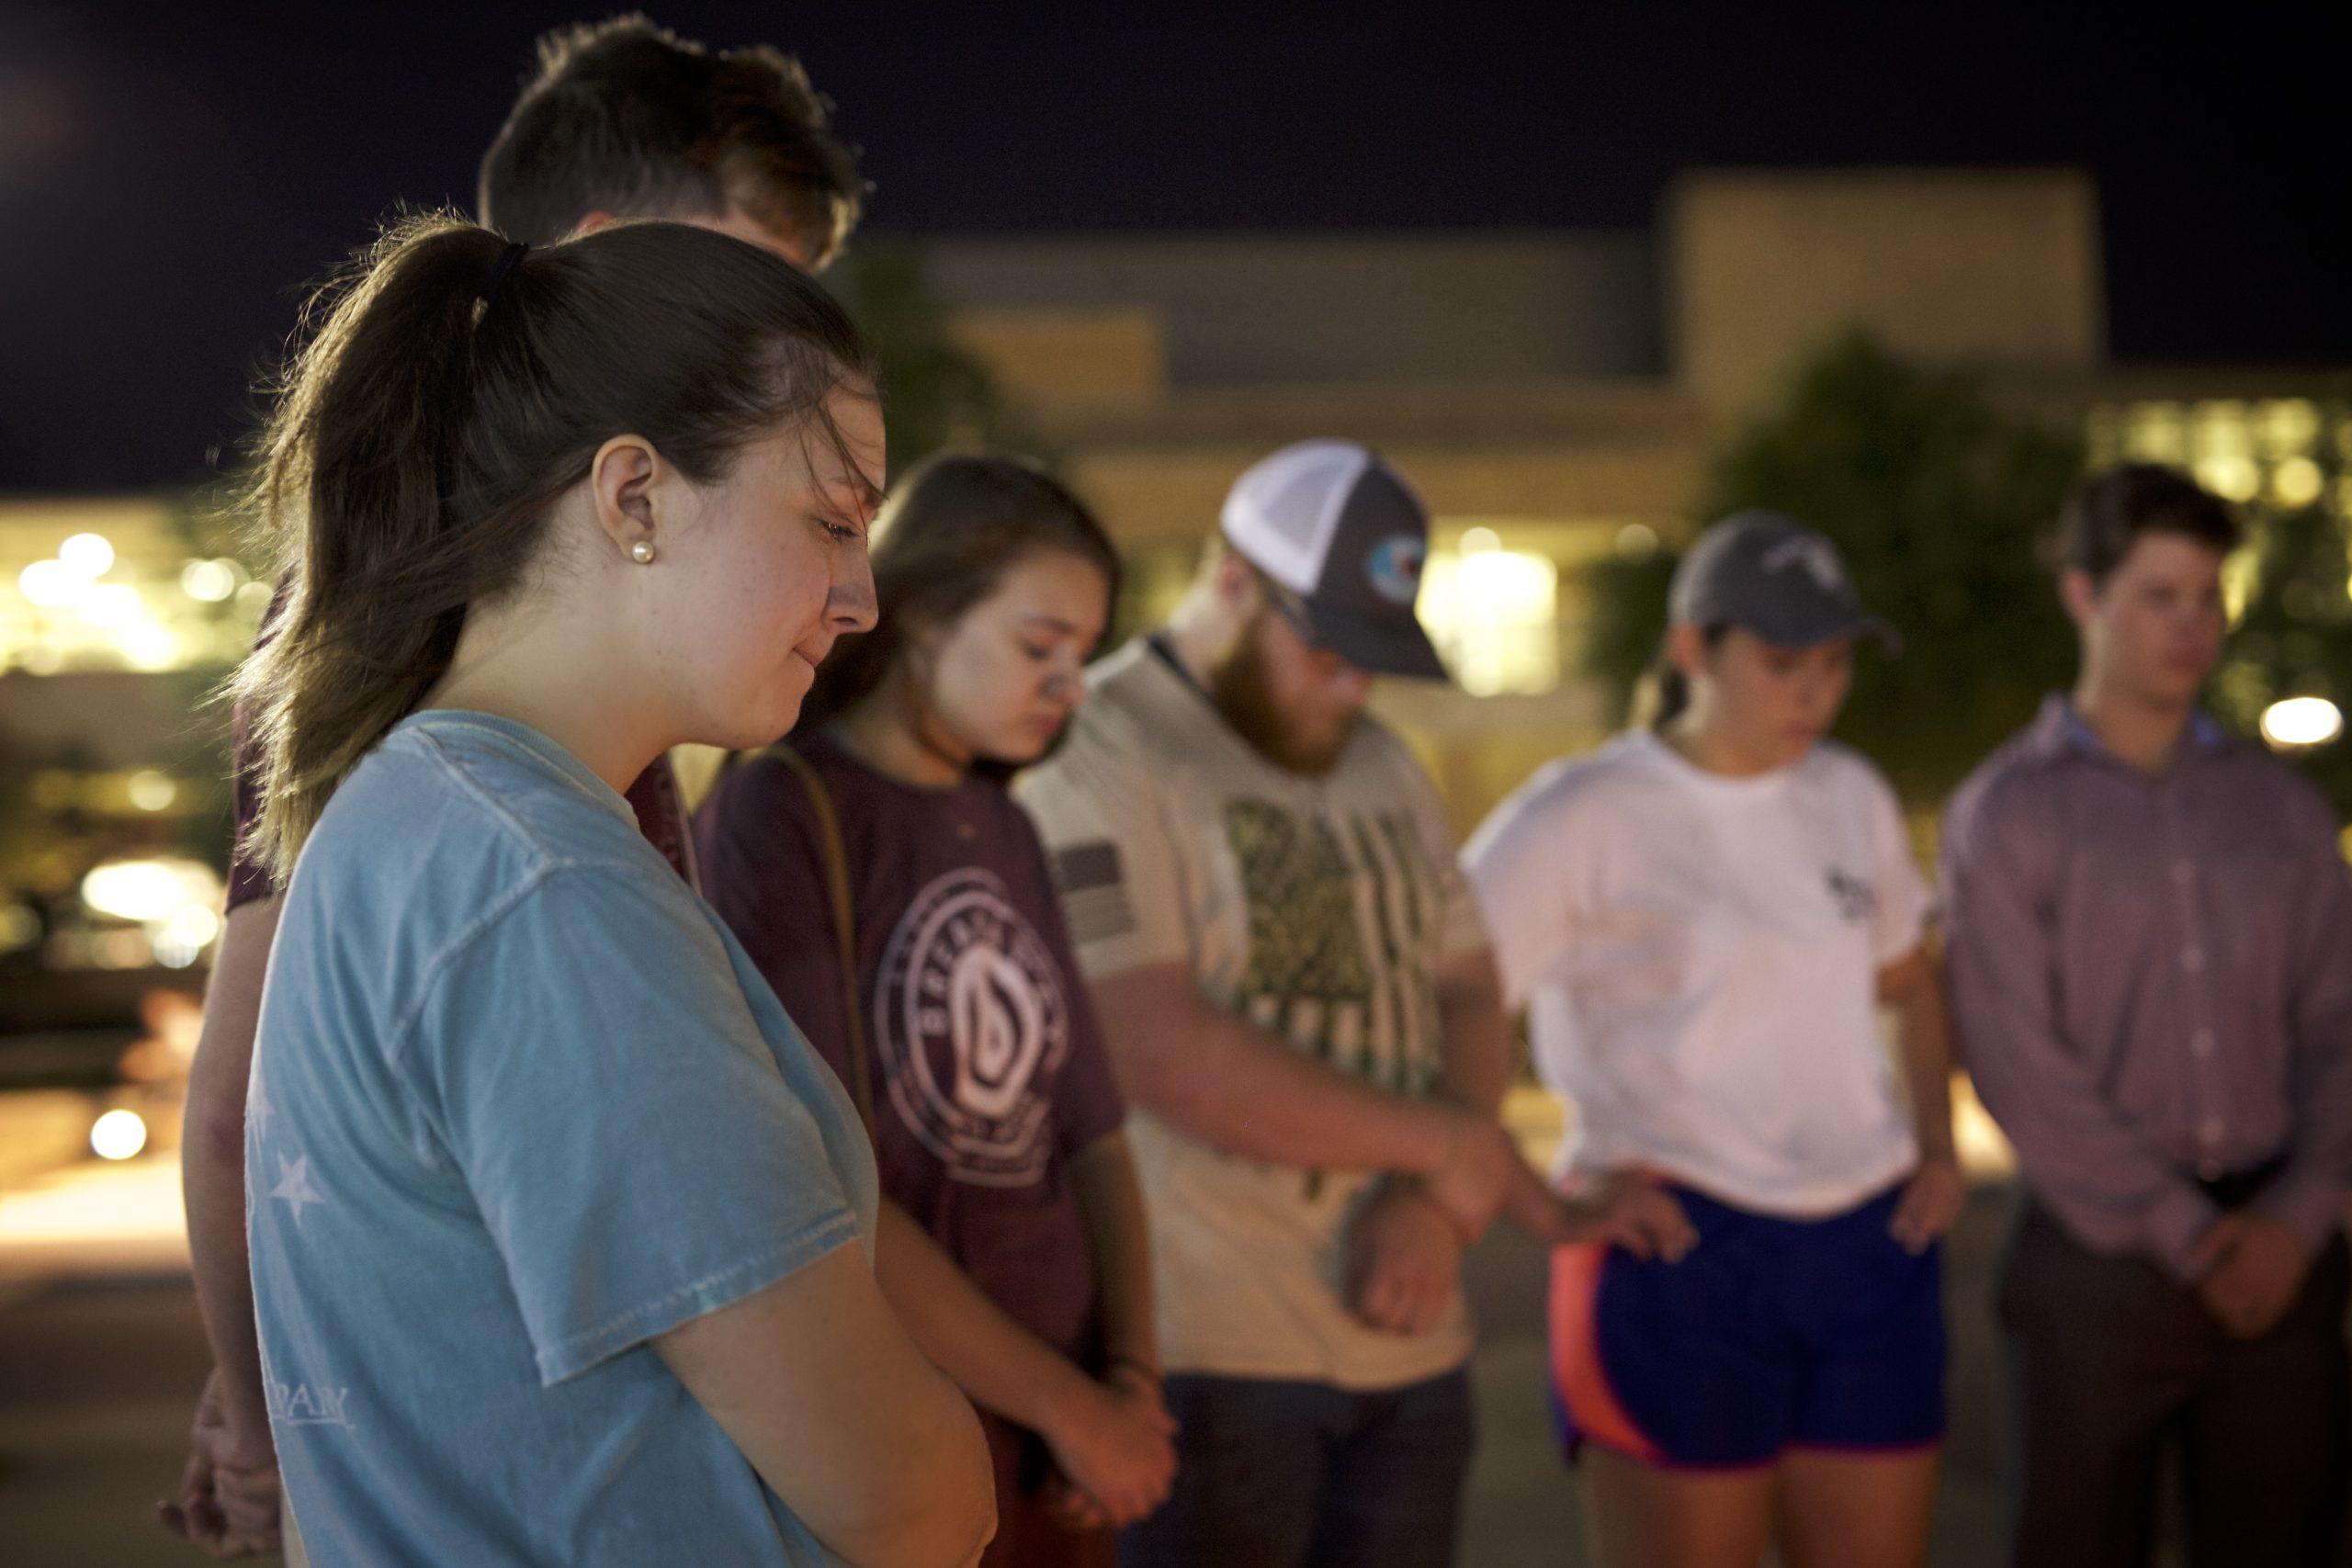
2106	513
627	117
421	437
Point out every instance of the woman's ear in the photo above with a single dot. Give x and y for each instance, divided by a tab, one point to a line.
1686	649
622	477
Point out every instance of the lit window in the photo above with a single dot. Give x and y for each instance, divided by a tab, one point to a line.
1494	614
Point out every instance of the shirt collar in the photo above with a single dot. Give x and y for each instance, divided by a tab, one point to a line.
2059	730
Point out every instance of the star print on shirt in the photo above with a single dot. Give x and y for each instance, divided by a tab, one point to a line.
294	1185
258	1109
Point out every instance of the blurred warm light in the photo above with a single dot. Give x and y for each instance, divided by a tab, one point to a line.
1637	541
150	647
118	1134
2155	433
152	790
149	890
186	935
211	581
2232	477
2298	722
2297	482
2240	575
254	598
1494	612
2289	426
1985	1153
51	584
19	927
1478	540
112	604
87	555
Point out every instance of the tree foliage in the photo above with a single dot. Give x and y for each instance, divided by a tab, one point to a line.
934	392
2294	633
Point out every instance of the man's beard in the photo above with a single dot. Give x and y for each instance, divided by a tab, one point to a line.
1243	693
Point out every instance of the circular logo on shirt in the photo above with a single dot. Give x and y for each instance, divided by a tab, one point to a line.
1394	568
972	1023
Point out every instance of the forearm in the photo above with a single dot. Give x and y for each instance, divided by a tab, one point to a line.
1475	1031
1111	1200
1245	1092
1923	1028
868	1443
999	1365
214	1178
212	1162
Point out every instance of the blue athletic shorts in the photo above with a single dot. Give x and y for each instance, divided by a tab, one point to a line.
1772	1334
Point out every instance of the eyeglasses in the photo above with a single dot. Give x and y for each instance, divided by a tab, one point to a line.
1292	609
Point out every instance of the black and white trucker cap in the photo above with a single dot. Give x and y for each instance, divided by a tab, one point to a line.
1332	523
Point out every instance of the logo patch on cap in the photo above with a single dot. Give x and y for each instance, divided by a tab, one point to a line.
1814	555
1394	567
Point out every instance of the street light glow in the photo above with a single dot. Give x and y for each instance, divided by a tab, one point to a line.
87	555
118	1135
51	584
2299	722
147	890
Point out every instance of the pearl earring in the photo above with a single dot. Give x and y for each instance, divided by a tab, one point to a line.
641	552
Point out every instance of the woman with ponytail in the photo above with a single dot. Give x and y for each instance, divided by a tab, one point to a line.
1704	921
939	977
551	1208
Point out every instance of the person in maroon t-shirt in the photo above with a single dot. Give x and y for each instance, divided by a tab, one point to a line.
1011	1242
623	120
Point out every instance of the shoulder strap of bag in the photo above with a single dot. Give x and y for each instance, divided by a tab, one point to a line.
829	835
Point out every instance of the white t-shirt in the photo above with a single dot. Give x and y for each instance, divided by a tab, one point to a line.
1699	956
1320	909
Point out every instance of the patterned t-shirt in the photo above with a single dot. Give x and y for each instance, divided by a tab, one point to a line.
1320	909
987	1071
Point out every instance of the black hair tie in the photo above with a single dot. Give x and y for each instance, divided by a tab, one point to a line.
507	261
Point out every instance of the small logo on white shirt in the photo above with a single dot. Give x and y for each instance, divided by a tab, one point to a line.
1857	899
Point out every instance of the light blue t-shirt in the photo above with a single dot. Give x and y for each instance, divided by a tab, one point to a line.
519	1105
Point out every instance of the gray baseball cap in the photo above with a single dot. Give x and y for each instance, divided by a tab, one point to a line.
1344	534
1769	575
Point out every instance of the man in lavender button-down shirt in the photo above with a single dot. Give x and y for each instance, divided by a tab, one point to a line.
2151	957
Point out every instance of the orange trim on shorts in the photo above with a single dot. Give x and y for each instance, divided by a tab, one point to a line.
1578	1374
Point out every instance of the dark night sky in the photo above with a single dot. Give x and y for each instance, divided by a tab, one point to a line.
169	177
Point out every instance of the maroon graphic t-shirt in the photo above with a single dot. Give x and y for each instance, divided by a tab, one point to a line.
986	1069
660	803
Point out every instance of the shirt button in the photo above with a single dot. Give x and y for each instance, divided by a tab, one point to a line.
2192	959
2184	872
2202	1041
965	830
2211	1131
2210	1169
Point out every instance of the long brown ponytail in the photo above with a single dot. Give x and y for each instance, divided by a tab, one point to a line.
420	437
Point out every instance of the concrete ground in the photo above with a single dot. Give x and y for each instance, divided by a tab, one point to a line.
101	1354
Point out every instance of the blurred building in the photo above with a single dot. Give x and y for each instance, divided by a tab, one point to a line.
1555	396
